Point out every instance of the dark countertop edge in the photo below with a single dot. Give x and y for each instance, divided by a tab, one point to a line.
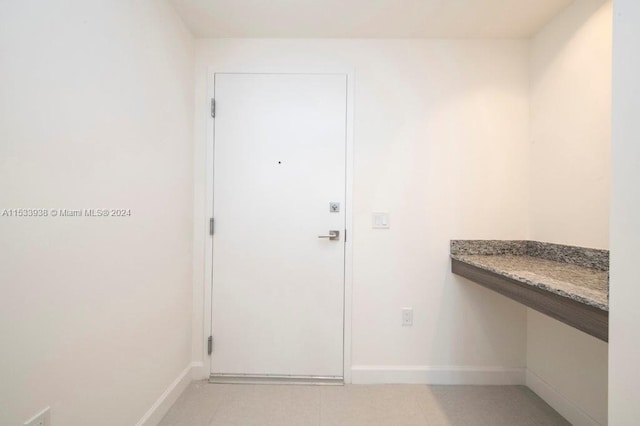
540	285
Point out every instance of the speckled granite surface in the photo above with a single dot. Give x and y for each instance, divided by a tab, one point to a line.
489	247
581	256
578	273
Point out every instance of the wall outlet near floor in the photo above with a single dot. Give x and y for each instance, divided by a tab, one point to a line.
407	316
43	418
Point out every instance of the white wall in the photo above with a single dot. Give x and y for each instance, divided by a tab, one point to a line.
96	104
570	131
441	133
624	321
568	369
571	125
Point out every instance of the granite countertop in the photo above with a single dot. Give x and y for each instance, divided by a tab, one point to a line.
577	273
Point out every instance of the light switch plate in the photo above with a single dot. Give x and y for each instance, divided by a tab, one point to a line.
380	220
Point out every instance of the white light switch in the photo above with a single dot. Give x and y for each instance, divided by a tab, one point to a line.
380	220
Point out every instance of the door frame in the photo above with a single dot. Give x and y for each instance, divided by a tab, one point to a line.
348	260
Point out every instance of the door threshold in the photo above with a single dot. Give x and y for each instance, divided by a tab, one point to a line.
251	379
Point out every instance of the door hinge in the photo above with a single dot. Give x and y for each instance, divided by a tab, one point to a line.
211	226
210	345
345	235
213	108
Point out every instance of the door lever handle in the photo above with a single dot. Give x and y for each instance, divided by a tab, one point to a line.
333	235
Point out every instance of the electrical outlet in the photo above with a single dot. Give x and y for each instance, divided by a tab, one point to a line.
407	316
43	418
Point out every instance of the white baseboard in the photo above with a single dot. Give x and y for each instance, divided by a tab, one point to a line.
198	371
447	375
567	408
159	408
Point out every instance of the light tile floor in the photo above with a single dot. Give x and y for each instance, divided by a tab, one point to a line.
204	404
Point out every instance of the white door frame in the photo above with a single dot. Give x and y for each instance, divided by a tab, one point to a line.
208	249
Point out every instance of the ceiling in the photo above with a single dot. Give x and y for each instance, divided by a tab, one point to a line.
367	18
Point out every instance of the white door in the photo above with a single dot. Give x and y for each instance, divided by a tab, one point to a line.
279	164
